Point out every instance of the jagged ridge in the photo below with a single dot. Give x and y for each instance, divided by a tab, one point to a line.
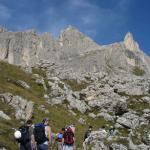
71	52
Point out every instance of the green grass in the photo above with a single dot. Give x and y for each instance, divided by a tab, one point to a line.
116	140
38	71
6	133
138	106
141	130
138	71
35	93
76	86
134	102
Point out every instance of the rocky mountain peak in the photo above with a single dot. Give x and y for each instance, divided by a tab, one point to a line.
76	41
70	34
130	43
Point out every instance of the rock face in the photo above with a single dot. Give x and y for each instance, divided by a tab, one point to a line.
75	42
71	53
129	120
23	108
130	43
115	146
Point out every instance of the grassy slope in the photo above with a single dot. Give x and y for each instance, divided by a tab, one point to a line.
59	116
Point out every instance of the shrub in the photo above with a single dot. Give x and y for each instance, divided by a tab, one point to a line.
138	71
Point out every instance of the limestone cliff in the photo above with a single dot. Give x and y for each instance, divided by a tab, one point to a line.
71	52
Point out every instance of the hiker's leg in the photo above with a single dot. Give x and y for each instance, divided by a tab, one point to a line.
22	147
43	147
59	146
70	147
28	146
64	147
67	147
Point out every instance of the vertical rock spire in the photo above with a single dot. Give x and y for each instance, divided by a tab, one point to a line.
130	43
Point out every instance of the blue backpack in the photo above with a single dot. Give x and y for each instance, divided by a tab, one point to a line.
59	137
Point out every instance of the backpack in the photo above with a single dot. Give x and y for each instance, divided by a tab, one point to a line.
59	137
68	137
25	135
39	133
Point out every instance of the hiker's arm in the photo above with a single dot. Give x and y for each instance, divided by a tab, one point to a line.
49	134
85	136
32	136
62	140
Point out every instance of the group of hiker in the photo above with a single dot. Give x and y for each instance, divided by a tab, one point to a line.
39	136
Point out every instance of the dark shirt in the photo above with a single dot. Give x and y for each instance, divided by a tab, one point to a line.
87	134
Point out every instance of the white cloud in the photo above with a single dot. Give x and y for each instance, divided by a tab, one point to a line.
92	19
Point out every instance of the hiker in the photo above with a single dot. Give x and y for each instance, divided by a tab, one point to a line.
25	137
103	136
103	129
42	134
72	126
112	131
68	138
86	137
88	132
59	139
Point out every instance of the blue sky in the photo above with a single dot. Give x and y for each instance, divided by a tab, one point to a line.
106	21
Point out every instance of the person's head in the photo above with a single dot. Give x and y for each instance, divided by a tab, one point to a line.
29	122
103	127
90	128
72	126
62	130
46	121
114	128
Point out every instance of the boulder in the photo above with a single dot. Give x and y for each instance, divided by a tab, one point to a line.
116	146
55	101
129	120
81	121
23	84
146	99
92	115
40	81
23	108
4	116
120	107
3	148
77	104
96	140
106	116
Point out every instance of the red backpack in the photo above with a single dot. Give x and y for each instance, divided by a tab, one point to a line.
68	137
